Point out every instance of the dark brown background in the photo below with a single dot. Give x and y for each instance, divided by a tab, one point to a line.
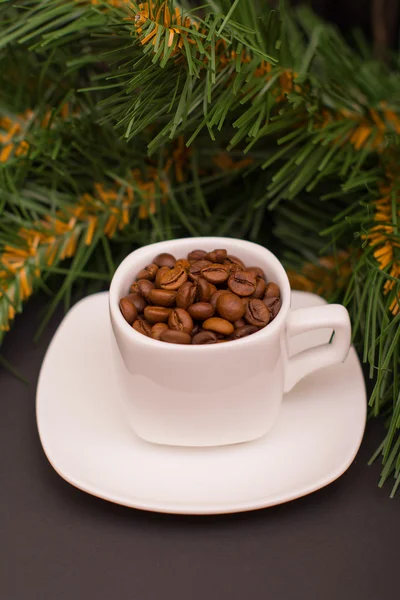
57	543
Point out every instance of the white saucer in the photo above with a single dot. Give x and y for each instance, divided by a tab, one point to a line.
88	442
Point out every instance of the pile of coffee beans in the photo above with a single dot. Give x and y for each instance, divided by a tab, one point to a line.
205	298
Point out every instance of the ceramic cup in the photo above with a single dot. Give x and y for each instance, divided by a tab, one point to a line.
220	393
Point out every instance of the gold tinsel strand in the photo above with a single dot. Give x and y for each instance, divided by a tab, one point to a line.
332	273
381	237
56	237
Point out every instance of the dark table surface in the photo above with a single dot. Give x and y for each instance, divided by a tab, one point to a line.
58	543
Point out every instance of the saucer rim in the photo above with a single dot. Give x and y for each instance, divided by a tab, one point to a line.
202	509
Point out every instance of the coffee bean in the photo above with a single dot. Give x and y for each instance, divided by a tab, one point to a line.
230	307
162	297
201	311
196	267
183	263
204	337
257	313
195	255
231	260
218	325
157	330
164	260
160	272
239	323
260	288
242	283
180	320
158	314
144	286
138	300
272	290
215	274
216	295
128	310
173	279
245	302
216	256
180	301
196	329
203	290
186	295
175	337
148	272
234	268
257	272
242	332
134	289
274	306
142	326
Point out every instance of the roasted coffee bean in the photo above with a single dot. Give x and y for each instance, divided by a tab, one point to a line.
235	268
183	263
216	295
142	326
148	272
157	330
196	267
137	299
195	255
242	332
144	286
230	307
257	272
272	290
173	279
239	323
186	295
257	313
260	288
160	272
215	274
128	310
242	283
274	305
162	297
245	302
158	314
180	303
180	320
174	336
164	260
231	260
203	290
216	256
204	337
201	311
218	325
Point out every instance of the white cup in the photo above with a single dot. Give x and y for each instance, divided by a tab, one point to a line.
220	393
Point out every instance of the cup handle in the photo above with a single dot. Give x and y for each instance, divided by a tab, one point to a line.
332	316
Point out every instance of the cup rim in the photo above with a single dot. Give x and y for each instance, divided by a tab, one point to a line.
127	265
